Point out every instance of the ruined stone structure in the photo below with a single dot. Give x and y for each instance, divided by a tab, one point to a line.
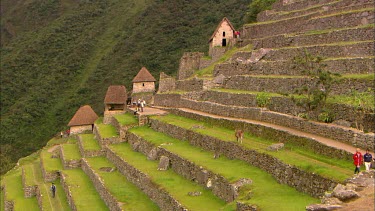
223	35
83	120
143	82
114	101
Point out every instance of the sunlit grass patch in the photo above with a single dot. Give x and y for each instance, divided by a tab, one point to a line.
89	142
71	152
126	119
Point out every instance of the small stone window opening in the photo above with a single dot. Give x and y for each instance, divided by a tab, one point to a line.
223	34
143	84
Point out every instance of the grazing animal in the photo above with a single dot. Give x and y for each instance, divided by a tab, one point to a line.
239	135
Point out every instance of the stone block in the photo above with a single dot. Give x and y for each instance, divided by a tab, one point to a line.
163	164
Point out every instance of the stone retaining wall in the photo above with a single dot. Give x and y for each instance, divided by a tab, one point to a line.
141	180
8	205
68	193
105	141
39	197
286	105
285	67
89	153
104	193
48	176
221	187
166	83
288	5
307	23
193	84
29	191
306	182
69	164
347	135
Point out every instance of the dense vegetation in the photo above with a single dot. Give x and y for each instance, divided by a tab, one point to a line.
57	55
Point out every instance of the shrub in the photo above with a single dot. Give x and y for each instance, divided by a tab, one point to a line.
256	7
263	99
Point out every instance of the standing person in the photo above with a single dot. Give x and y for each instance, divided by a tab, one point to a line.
357	158
53	189
143	104
61	134
367	158
139	105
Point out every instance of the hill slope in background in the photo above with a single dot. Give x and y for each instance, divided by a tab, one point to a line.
60	54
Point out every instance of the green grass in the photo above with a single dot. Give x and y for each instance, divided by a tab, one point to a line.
358	76
123	190
343	13
336	169
168	180
50	164
316	32
2	201
71	151
107	131
83	191
56	141
13	183
89	142
126	119
279	196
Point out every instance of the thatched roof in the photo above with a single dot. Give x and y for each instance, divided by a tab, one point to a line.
143	76
84	116
116	94
218	27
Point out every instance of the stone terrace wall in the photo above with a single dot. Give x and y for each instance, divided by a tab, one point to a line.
105	141
153	191
189	62
346	135
68	193
306	182
307	23
221	187
285	67
193	84
8	205
89	153
69	164
287	5
48	176
29	191
166	83
104	193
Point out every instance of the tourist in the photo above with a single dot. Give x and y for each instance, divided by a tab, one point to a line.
367	159
53	189
139	105
61	134
357	158
143	104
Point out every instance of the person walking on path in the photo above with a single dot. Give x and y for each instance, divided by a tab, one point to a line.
367	158
357	158
53	189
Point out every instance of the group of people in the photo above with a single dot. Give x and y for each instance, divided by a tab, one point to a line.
140	105
359	160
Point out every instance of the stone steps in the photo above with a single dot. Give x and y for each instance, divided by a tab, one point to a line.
116	191
289	84
80	191
272	121
306	23
221	141
282	104
165	188
345	65
316	9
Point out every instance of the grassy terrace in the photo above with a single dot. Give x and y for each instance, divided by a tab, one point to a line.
50	164
89	142
83	191
336	169
174	184
14	191
267	193
106	131
123	190
126	119
71	151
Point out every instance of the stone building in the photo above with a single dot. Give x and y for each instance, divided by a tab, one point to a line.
222	36
114	101
83	120
143	82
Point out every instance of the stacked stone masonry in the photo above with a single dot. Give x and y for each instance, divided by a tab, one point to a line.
29	190
104	193
305	182
309	23
105	141
145	183
8	205
221	187
347	135
69	164
89	153
48	176
68	193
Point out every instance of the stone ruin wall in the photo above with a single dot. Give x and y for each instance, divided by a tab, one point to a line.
88	153
145	183
104	141
220	186
306	182
104	193
143	87
67	192
29	191
166	83
189	62
108	115
48	176
346	135
80	129
8	204
69	164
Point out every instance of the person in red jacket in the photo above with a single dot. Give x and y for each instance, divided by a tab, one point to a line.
358	159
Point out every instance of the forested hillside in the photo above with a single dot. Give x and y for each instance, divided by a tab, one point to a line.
57	55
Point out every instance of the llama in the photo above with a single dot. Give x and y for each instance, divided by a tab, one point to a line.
239	135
